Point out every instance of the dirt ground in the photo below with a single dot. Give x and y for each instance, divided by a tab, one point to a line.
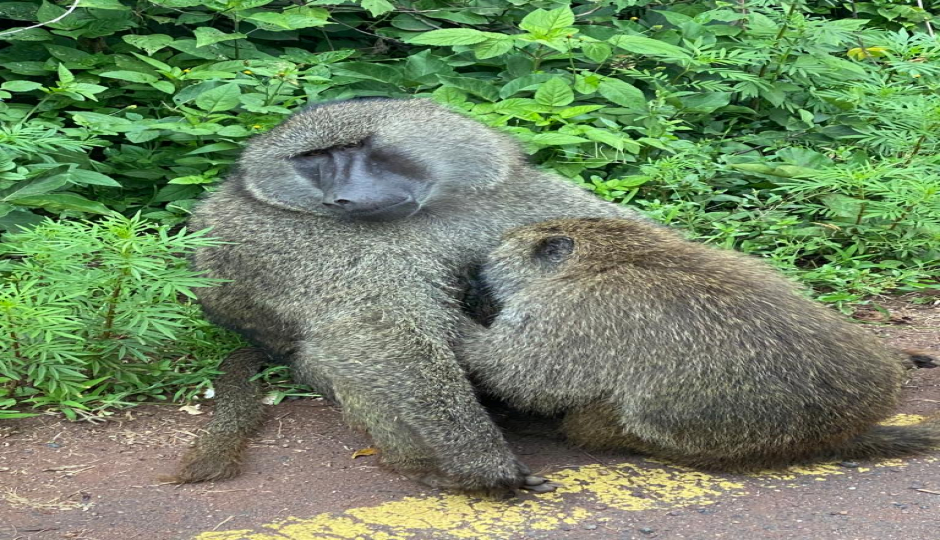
61	480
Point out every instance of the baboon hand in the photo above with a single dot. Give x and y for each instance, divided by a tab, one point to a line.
535	484
501	480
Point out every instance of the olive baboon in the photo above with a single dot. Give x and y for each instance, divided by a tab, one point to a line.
348	228
653	343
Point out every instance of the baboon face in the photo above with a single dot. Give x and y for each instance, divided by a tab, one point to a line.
365	181
375	160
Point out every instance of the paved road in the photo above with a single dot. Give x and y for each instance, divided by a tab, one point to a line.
73	481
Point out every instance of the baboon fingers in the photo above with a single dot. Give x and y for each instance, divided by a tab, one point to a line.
538	484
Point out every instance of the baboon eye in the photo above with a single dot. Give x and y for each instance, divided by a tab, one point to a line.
349	146
554	249
312	153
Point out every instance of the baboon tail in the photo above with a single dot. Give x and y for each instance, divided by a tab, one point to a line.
217	453
883	442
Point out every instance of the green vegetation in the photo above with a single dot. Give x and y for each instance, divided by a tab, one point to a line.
804	132
97	315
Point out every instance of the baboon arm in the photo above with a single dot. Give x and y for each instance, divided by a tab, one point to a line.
406	388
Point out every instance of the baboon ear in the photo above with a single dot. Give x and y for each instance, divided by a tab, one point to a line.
553	249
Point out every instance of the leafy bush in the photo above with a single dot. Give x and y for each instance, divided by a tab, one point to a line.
97	315
806	133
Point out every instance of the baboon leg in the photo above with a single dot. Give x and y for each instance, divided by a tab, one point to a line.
598	426
418	407
217	453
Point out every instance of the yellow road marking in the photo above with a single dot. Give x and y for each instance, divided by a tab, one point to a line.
625	487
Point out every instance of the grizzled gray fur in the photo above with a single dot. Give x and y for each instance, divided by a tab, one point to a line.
650	343
349	228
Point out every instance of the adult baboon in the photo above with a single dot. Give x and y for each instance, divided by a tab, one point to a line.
348	227
652	343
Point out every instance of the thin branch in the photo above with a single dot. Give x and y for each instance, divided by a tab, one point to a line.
68	12
920	4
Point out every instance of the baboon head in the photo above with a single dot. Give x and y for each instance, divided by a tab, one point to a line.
560	251
375	159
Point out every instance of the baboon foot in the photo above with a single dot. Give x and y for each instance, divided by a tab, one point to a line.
215	457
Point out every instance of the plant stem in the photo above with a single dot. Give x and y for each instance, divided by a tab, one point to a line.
755	103
112	306
915	150
861	212
901	218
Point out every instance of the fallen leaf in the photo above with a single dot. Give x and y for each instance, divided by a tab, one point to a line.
370	451
191	409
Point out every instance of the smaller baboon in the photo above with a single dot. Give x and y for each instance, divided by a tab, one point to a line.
652	343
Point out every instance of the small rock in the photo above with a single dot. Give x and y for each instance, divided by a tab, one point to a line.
674	513
590	526
647	530
849	464
54	445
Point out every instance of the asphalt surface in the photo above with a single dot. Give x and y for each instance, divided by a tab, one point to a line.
78	481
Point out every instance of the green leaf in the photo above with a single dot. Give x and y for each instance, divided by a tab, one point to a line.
35	187
649	47
451	36
706	102
377	7
557	139
616	140
527	82
222	98
494	47
595	51
65	76
477	87
114	5
541	22
166	68
207	35
623	94
63	201
164	86
555	92
150	43
85	177
241	5
192	179
130	76
20	86
370	70
449	96
842	205
291	18
49	11
571	112
758	168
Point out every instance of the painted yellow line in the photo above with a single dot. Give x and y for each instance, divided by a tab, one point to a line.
626	487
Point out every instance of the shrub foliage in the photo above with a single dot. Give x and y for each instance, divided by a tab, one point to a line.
805	132
99	314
